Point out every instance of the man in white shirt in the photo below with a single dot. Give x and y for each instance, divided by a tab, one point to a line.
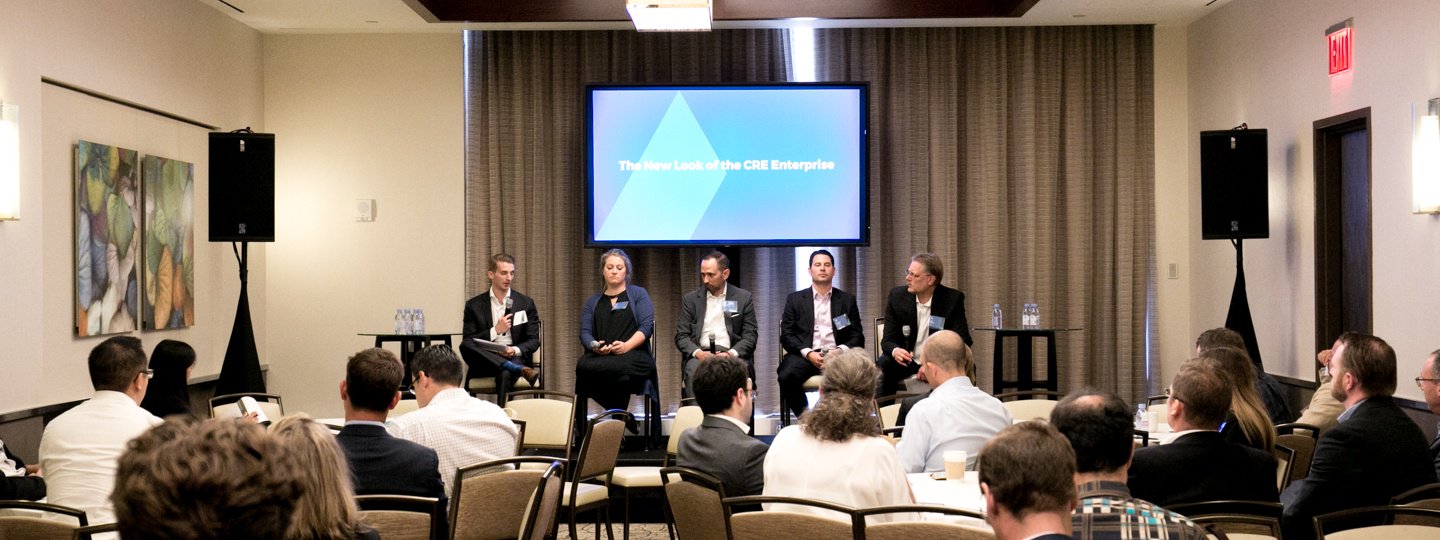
956	416
716	320
80	448
461	429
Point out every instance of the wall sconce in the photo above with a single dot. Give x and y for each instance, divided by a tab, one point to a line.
1426	157
9	161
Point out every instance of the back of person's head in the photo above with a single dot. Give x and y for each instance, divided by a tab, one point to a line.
115	363
1371	361
169	391
947	351
372	377
440	363
1029	468
1203	392
1235	366
847	397
171	356
217	479
715	382
327	507
1099	427
1219	337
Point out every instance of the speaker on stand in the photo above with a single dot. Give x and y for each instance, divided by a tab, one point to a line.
242	210
1235	205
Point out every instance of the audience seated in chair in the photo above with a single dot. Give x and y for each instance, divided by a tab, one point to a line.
1248	423
956	416
326	508
720	445
1269	389
1029	482
19	481
1429	382
169	391
382	464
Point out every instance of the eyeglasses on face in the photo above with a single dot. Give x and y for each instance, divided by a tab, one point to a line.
1420	381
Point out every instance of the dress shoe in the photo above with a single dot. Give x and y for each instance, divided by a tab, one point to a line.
531	375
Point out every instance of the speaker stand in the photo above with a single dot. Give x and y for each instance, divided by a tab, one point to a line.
1238	319
241	371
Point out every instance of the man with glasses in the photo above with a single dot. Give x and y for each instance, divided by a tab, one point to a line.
1429	383
913	312
80	448
1198	464
716	320
719	446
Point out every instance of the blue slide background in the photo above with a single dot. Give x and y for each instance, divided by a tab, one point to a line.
735	124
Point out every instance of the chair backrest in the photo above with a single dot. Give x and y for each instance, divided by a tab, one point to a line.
38	527
772	524
909	528
1030	404
601	447
544	504
402	517
549	418
887	409
1298	428
1426	496
1284	461
879	337
686	417
89	531
695	504
226	407
1304	447
1379	523
1234	517
403	407
519	437
489	499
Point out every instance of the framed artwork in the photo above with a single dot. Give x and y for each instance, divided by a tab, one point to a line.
169	246
107	239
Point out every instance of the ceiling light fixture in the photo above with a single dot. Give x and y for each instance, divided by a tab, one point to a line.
670	15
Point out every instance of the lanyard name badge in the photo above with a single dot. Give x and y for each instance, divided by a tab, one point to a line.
729	306
937	322
842	322
620	305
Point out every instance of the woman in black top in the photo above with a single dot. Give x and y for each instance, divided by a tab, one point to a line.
169	391
615	328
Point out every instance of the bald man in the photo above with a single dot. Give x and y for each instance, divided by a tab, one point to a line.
956	416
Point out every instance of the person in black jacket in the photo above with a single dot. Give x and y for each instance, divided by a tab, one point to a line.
21	482
818	320
503	316
922	295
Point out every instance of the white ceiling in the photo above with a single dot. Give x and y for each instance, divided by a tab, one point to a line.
391	16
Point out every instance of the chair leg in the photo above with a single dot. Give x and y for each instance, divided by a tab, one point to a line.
626	528
574	536
609	531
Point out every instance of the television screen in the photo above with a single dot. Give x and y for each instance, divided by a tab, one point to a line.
761	164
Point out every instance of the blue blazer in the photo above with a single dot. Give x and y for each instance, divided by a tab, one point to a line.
639	305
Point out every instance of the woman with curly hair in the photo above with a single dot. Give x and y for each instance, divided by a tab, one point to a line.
326	510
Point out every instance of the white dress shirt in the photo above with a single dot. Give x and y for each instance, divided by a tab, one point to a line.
714	323
922	319
823	336
862	472
497	312
80	449
956	416
461	429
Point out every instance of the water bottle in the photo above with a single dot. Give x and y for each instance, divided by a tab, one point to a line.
1142	423
996	319
1035	315
1025	316
409	322
419	321
399	321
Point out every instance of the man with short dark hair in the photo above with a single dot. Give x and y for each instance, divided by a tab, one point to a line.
79	448
382	464
461	429
913	312
217	479
1028	482
720	446
1373	453
956	416
1198	464
1101	430
1269	389
1429	383
715	320
505	318
819	321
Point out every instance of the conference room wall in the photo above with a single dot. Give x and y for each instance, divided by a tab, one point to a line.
1172	205
365	116
1264	63
179	56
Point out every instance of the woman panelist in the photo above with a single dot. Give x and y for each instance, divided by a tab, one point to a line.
614	329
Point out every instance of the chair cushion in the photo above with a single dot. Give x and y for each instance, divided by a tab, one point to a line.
813	383
636	477
486	385
585	494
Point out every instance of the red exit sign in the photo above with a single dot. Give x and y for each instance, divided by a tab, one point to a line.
1341	49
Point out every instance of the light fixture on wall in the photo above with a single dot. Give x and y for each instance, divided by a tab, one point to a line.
670	15
9	161
1426	157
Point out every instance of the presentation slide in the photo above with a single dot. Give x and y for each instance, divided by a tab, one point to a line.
731	165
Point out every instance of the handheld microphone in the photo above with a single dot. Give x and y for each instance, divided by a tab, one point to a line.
596	344
905	330
509	305
711	336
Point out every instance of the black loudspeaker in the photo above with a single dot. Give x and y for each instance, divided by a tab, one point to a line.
1234	186
242	187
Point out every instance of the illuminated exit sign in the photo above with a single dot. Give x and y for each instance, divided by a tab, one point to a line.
1341	41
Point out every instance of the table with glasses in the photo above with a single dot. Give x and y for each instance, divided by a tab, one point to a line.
1024	341
409	345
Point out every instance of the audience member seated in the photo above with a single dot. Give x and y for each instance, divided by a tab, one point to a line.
913	312
1248	423
818	322
169	391
1373	453
219	479
614	327
20	482
1029	482
461	429
382	464
326	508
1429	382
1271	396
956	416
502	315
720	445
715	319
79	448
1101	431
1198	465
1323	409
836	453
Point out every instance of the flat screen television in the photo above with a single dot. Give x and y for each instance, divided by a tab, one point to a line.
742	164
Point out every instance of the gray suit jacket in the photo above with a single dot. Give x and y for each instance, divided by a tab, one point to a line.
721	449
742	326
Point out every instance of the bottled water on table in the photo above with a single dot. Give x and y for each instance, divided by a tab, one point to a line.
419	326
996	320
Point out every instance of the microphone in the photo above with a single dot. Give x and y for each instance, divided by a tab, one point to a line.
596	344
509	305
905	330
711	336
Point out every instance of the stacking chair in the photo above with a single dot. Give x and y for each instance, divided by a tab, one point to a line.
1379	523
40	527
773	524
226	407
403	407
88	532
598	453
1301	438
489	499
1426	496
1252	518
539	521
629	478
403	517
1029	404
491	385
911	529
693	502
547	415
887	409
1284	462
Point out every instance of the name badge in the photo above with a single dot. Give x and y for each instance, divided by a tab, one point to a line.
937	322
620	305
519	318
842	322
729	306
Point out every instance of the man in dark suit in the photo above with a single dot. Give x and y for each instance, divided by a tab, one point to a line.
1429	383
922	296
503	316
20	482
380	463
818	321
1375	451
716	320
1199	465
719	446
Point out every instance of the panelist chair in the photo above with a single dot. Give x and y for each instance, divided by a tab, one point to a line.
650	395
504	382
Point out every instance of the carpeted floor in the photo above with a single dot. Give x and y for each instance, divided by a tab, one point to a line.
638	531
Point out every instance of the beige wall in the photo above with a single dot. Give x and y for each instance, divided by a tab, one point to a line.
175	55
360	117
1172	208
1263	63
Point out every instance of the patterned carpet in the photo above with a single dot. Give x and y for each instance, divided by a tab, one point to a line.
638	531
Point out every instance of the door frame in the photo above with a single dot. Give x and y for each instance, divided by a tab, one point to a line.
1329	251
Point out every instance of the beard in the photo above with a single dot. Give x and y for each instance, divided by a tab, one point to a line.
1336	390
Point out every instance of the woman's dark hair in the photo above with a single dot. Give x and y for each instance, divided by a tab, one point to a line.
169	391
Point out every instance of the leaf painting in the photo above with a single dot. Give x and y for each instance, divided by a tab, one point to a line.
107	227
169	239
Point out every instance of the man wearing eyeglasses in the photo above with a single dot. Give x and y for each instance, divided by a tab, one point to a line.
716	320
913	312
719	446
1429	383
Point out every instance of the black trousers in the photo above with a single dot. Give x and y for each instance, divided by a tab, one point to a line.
792	373
893	374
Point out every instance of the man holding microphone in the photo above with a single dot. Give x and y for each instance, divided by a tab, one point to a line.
914	311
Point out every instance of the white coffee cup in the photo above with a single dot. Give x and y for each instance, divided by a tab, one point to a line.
955	464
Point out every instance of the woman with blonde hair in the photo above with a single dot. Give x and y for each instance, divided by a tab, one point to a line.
326	510
836	453
1249	423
